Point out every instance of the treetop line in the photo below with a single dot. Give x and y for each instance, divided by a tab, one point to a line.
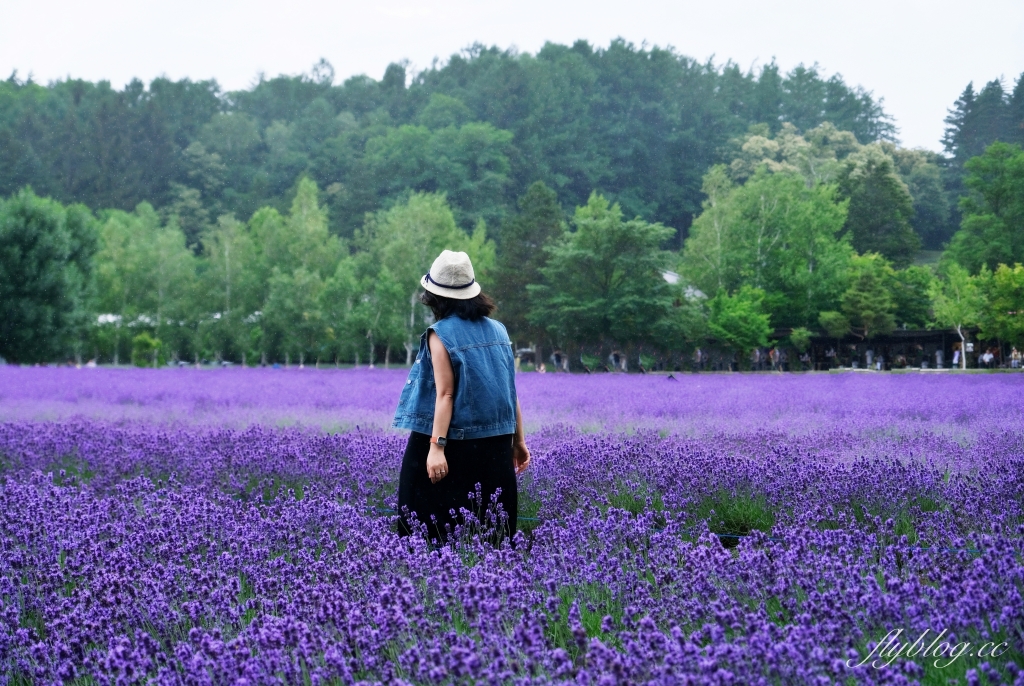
780	199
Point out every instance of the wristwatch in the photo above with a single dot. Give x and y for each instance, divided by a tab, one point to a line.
440	440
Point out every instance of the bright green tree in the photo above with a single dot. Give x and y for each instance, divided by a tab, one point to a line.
993	213
301	239
910	289
776	233
45	267
407	238
381	314
868	303
230	277
338	302
292	316
147	276
739	321
1003	317
958	303
603	281
836	324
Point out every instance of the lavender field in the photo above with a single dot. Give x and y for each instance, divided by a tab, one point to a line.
236	527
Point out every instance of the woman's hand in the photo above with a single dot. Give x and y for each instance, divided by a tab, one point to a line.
520	456
437	465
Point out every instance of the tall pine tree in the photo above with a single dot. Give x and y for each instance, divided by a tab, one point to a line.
523	239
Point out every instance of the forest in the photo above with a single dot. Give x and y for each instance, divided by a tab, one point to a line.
620	197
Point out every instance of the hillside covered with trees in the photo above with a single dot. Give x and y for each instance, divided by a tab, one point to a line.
292	220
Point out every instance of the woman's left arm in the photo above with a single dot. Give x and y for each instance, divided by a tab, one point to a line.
444	380
520	453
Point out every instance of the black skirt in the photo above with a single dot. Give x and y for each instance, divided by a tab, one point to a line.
483	461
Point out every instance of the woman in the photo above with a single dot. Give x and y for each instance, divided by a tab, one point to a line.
460	403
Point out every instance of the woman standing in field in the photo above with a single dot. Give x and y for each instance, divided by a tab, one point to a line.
460	403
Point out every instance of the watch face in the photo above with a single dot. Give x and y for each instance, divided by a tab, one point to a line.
442	441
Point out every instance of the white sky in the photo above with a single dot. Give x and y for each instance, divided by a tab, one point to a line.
916	54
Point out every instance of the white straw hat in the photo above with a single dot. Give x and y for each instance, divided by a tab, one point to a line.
451	276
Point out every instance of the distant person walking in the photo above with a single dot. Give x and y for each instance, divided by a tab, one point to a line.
460	404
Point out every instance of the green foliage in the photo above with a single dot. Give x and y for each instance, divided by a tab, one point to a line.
352	190
909	288
979	119
468	163
45	267
868	303
604	279
404	241
880	207
146	351
836	324
800	338
1003	316
292	317
146	276
957	302
230	282
993	213
734	513
480	127
739	321
774	232
921	170
539	222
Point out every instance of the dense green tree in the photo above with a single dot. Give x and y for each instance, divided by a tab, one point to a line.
146	278
868	303
880	208
83	142
739	321
300	239
977	120
405	240
993	213
45	267
469	164
910	288
603	281
957	303
836	324
921	171
381	316
1003	313
292	317
825	154
642	124
229	284
775	233
522	257
1016	115
339	301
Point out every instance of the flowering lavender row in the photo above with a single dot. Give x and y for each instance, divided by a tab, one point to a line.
688	403
151	553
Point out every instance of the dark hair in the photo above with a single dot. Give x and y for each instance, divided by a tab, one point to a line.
471	308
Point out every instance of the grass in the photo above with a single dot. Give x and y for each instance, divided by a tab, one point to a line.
595	602
731	513
635	496
71	470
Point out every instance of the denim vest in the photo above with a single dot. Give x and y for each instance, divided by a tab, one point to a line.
485	381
